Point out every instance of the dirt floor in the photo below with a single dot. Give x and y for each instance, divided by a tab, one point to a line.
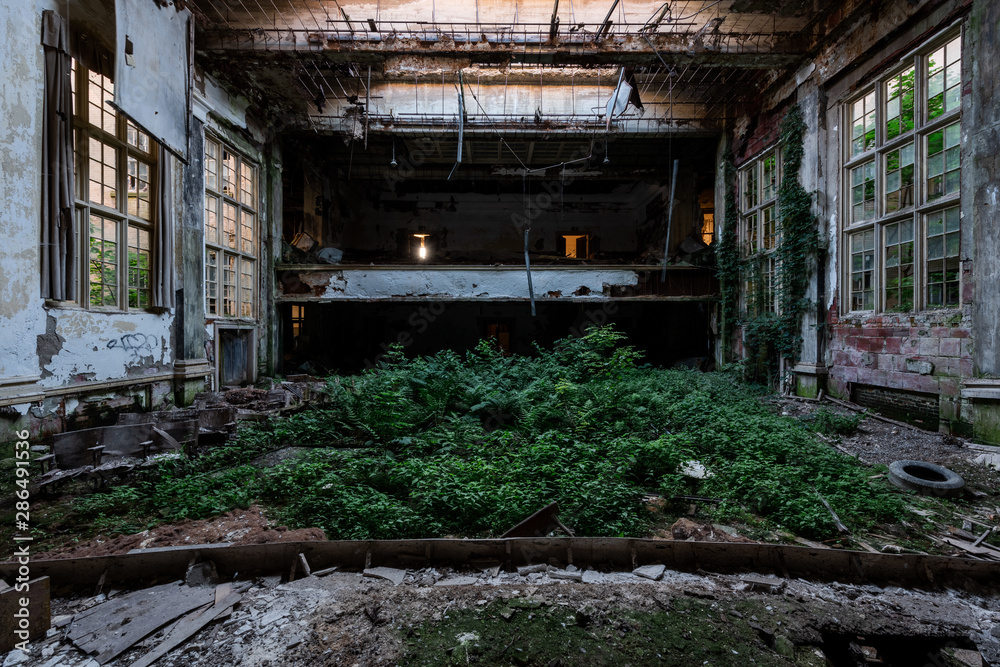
249	526
880	441
443	617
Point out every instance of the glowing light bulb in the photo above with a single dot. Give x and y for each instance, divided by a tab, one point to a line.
422	252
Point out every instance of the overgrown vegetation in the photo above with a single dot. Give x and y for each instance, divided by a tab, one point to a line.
829	422
453	445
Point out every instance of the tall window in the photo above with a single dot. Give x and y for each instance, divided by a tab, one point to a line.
902	175
115	171
759	181
231	242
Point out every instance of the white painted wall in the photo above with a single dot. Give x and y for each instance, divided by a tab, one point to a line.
466	284
21	74
95	346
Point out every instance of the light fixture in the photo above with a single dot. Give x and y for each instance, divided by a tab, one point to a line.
393	164
606	160
422	250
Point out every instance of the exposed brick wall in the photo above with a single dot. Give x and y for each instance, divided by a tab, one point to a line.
755	132
921	409
929	353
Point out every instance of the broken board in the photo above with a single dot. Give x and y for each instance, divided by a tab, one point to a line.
539	524
119	441
110	628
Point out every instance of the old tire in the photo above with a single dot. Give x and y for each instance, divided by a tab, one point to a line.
927	478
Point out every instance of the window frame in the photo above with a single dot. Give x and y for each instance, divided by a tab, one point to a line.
245	297
123	220
921	207
757	248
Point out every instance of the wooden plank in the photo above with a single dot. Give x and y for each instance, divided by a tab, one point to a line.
186	629
976	551
39	613
541	523
112	627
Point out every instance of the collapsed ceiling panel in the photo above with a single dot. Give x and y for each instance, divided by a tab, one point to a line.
356	67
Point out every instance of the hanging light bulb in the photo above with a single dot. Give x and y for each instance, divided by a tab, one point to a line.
393	164
422	250
606	160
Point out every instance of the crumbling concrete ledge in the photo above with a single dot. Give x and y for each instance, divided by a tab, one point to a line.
608	554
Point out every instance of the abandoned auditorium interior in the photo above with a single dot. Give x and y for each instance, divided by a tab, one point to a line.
227	216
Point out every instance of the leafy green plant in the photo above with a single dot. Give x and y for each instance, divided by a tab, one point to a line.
446	445
831	423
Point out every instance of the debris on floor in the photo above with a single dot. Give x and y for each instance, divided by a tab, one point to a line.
355	618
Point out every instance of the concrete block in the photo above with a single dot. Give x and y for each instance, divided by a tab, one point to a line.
929	346
921	366
654	572
392	574
950	347
458	581
566	576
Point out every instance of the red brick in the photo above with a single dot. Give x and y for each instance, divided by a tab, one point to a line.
928	346
941	332
948	387
873	344
892	345
965	367
950	347
960	333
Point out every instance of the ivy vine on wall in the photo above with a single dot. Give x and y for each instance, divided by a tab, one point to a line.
769	336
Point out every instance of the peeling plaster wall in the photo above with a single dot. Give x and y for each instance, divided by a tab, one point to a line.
58	362
21	79
99	346
464	284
